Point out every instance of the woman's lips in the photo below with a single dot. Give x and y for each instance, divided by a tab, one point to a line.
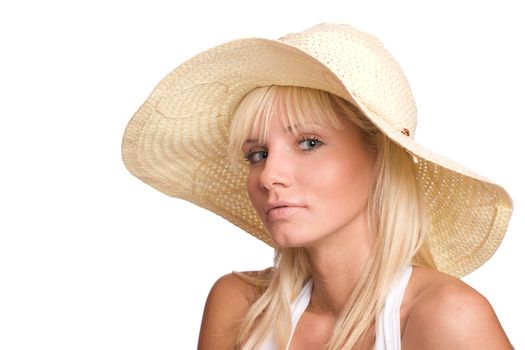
284	212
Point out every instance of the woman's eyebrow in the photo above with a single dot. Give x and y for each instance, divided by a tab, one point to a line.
250	141
288	129
314	126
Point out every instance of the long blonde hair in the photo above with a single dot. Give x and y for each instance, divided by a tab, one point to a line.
395	208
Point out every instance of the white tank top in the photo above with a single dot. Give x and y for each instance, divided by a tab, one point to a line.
388	331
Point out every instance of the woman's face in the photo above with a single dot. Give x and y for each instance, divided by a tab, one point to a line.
312	186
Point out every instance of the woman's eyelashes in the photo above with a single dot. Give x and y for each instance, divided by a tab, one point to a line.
305	143
310	142
254	156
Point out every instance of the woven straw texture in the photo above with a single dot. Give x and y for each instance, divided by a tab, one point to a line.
177	140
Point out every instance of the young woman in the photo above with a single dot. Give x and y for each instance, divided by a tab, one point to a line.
371	230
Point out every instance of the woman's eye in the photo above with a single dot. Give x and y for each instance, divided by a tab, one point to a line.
255	156
309	143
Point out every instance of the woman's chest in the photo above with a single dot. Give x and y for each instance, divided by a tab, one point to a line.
313	333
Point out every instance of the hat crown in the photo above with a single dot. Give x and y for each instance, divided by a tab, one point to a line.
369	72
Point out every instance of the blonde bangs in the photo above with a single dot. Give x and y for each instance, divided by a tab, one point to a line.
298	107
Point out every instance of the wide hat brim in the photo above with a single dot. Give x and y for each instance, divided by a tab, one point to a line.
177	140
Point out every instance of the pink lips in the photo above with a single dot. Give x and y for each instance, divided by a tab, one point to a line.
281	209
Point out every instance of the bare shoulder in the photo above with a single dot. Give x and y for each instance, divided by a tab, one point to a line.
228	302
446	313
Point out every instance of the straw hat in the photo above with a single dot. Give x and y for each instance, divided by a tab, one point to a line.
177	140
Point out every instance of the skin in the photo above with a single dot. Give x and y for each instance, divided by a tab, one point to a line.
327	174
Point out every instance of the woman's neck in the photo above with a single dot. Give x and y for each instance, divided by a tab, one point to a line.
337	264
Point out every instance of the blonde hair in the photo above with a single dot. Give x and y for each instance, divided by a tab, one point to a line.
395	211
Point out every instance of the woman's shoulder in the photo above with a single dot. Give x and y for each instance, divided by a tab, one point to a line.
245	284
445	312
228	301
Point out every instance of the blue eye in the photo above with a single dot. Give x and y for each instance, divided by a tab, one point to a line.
255	156
306	143
310	142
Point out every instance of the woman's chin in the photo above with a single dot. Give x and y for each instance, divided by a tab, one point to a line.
286	241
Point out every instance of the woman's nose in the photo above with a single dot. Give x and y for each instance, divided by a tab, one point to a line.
277	170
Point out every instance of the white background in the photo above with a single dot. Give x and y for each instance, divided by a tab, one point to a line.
92	258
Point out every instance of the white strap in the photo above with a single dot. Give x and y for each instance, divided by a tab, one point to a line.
297	308
388	331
